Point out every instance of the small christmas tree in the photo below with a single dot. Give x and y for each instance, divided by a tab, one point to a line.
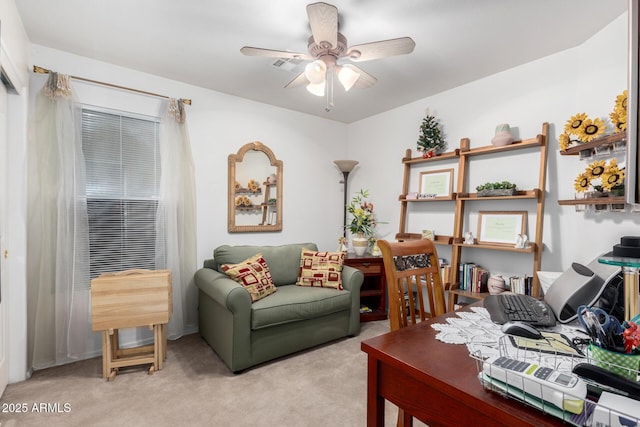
430	139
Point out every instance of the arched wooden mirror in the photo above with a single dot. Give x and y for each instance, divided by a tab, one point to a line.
255	190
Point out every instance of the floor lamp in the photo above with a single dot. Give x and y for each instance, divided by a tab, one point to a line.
345	167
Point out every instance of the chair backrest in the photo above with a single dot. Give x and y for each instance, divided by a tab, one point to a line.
412	267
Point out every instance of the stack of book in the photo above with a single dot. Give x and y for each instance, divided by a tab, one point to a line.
473	278
521	285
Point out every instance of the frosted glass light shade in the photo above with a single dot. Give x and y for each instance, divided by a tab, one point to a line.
348	77
346	165
315	71
316	88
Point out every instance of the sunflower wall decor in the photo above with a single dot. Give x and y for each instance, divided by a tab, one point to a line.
580	129
601	176
619	114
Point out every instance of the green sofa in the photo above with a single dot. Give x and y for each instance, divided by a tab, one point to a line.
291	319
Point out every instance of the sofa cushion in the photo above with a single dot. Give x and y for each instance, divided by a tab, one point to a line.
252	273
283	260
322	269
294	303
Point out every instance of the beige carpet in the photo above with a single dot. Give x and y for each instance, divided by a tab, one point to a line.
324	386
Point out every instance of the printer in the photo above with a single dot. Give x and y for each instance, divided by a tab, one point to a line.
580	285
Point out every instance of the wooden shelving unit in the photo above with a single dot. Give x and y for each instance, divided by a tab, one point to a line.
462	197
598	142
267	208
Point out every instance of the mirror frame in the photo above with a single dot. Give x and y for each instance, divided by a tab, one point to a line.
238	158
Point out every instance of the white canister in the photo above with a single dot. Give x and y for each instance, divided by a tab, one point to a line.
495	284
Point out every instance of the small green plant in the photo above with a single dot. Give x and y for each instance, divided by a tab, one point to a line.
503	185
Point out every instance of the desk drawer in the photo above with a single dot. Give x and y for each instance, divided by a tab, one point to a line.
368	268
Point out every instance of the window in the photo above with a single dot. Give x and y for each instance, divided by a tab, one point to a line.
122	157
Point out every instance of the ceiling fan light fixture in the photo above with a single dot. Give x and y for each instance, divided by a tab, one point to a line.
316	88
348	77
315	72
326	46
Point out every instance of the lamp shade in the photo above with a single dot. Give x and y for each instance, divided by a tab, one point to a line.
316	88
348	77
315	71
346	165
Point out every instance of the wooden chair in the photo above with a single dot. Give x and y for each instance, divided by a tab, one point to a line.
412	267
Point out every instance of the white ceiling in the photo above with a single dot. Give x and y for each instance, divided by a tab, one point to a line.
199	41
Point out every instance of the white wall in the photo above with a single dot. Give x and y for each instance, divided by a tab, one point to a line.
14	57
584	79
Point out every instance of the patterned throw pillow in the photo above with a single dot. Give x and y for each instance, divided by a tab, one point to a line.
252	273
322	269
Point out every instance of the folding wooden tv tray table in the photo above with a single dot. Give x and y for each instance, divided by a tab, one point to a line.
131	299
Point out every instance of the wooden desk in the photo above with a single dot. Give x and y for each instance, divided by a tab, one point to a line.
436	382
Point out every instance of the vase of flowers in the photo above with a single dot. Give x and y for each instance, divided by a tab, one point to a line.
362	223
360	243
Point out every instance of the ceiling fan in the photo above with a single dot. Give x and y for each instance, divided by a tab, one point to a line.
326	47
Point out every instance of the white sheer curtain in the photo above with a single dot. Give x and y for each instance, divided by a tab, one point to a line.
58	305
176	218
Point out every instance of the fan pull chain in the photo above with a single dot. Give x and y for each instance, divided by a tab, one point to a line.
329	89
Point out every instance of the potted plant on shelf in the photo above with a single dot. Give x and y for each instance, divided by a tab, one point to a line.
600	180
502	188
363	221
580	129
619	114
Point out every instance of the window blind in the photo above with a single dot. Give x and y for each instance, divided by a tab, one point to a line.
122	187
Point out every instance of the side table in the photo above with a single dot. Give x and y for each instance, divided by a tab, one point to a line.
630	268
373	293
131	299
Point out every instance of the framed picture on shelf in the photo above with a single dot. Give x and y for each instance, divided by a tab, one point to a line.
437	183
501	227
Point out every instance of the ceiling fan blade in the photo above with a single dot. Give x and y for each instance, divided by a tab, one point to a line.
300	80
365	80
381	49
323	20
257	51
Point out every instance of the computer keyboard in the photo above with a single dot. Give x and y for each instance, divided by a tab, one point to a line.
505	308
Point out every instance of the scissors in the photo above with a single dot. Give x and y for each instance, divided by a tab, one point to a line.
602	328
